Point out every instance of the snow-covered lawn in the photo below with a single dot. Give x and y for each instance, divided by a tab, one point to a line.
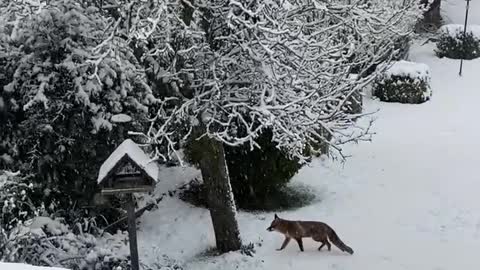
453	11
408	200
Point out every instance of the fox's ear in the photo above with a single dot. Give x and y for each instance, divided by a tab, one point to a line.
276	217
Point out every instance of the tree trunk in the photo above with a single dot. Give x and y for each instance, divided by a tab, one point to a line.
219	193
432	15
211	160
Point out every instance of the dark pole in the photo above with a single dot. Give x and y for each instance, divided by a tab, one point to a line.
132	231
464	33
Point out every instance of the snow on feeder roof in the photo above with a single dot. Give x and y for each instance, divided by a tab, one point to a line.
127	168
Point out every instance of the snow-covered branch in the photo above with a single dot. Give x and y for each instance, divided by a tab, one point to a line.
286	66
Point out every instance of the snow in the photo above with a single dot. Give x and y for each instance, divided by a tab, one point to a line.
453	11
49	225
99	122
454	29
408	69
132	150
295	66
408	200
121	118
19	266
419	72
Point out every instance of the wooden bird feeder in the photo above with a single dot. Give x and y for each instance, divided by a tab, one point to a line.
126	171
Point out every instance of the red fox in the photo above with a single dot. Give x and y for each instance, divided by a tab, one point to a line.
297	230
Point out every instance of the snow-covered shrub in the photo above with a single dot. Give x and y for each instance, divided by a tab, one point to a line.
163	262
281	198
404	82
289	197
47	242
248	249
454	43
65	74
194	193
16	204
257	175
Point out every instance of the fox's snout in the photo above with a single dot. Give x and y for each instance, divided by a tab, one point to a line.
270	229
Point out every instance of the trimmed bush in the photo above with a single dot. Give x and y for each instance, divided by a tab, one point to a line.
254	174
454	43
279	199
404	82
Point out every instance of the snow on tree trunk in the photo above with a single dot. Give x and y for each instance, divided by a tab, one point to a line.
219	193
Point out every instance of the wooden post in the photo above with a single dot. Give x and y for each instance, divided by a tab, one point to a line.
464	33
132	232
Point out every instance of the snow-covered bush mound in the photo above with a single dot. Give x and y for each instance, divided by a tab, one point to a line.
454	43
404	82
47	242
17	202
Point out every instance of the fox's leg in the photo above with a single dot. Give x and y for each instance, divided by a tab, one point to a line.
300	243
329	246
323	240
285	243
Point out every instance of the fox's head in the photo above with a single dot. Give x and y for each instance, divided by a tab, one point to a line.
274	225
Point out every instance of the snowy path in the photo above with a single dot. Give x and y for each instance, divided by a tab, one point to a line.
408	200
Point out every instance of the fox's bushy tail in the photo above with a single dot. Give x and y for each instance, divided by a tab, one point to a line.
333	237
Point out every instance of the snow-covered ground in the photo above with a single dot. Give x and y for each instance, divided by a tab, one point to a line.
408	200
19	266
453	11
